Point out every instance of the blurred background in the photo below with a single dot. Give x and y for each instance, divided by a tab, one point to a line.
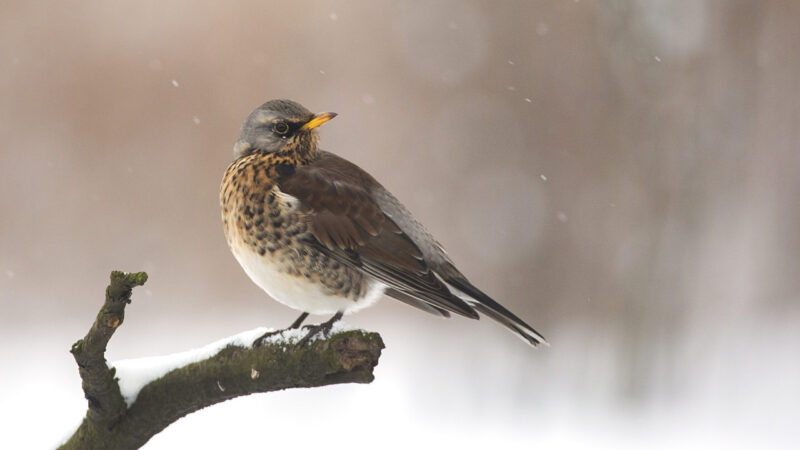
624	175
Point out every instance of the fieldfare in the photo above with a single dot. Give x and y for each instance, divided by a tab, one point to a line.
322	236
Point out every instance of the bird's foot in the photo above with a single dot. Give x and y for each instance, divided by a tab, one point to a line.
260	341
296	324
324	328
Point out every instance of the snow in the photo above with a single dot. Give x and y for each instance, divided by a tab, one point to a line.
367	99
544	396
292	336
134	374
542	29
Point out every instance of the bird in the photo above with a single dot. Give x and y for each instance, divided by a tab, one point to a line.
320	235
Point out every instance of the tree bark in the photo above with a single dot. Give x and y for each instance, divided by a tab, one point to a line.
345	357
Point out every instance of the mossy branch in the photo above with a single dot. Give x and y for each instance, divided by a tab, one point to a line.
345	357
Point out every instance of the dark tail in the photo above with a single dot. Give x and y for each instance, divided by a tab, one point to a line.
485	305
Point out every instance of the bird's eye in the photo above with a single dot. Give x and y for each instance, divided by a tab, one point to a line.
280	127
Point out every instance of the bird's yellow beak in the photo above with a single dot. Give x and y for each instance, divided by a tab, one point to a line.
318	120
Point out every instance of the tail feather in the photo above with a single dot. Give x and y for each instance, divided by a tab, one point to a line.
486	305
417	303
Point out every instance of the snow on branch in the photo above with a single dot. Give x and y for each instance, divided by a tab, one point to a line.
135	399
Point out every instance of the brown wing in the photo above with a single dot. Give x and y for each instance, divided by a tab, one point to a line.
350	227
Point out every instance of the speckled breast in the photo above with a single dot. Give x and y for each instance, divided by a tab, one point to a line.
265	229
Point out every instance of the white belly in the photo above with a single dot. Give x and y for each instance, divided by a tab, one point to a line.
298	293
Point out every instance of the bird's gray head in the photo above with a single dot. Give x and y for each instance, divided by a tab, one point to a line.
280	126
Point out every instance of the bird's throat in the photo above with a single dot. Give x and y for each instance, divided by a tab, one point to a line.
302	150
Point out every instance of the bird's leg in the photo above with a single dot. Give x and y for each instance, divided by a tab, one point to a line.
324	327
298	321
296	324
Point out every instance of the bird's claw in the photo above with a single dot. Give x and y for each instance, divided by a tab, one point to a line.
260	341
313	330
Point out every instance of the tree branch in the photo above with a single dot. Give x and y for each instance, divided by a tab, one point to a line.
344	357
106	405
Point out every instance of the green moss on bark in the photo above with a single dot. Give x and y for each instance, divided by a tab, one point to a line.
345	357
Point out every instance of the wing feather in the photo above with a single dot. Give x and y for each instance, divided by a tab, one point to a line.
349	226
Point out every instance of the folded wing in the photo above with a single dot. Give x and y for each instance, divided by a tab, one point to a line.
349	226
